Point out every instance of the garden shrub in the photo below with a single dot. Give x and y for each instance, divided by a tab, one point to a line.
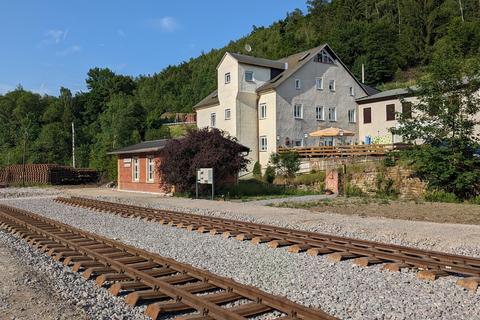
269	175
441	196
257	171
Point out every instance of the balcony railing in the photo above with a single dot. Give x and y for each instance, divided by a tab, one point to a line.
364	150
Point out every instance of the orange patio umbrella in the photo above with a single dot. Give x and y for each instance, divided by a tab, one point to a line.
331	132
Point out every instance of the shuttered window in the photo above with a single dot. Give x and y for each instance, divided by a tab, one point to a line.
390	108
367	115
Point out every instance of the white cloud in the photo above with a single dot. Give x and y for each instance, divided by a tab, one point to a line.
56	36
167	24
4	88
68	51
43	90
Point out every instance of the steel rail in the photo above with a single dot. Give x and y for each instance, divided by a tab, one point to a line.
315	243
125	262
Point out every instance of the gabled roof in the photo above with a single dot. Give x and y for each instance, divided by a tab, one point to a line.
387	95
210	100
258	61
142	147
298	60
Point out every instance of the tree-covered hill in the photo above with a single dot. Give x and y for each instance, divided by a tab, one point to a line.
388	36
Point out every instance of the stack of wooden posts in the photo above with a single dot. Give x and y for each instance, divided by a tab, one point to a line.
46	174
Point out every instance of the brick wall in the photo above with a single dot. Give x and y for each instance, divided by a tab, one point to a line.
125	175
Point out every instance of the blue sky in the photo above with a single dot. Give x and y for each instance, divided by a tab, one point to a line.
48	44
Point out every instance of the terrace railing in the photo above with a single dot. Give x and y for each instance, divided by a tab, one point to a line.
364	150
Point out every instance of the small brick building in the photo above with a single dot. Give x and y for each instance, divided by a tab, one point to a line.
137	167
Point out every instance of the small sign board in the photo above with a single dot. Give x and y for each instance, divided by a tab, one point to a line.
127	162
205	176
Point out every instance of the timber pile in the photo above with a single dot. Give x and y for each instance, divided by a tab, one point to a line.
46	174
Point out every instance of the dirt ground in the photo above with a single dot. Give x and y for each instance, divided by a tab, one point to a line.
25	295
395	209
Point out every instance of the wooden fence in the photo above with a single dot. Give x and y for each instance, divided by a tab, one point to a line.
364	150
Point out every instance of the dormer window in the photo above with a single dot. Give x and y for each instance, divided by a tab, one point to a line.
249	76
298	84
227	78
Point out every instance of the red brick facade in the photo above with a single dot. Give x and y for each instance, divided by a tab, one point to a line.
126	167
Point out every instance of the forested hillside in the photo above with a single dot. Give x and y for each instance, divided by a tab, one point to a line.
388	36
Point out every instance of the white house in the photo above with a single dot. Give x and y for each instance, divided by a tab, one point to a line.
266	104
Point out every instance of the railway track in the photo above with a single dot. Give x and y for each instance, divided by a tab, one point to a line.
430	264
165	285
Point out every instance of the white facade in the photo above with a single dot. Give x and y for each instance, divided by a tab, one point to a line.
276	103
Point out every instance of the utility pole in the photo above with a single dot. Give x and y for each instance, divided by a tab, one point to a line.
73	145
461	10
24	152
363	73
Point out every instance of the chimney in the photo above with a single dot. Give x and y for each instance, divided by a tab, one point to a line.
363	73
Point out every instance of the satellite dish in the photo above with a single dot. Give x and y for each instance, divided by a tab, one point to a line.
248	48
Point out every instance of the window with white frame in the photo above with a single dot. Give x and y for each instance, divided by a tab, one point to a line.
227	78
150	168
228	114
213	120
298	84
331	85
319	113
352	91
249	76
352	116
263	143
263	111
135	170
298	111
319	83
332	114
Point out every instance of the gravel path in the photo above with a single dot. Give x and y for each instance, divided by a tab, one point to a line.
341	289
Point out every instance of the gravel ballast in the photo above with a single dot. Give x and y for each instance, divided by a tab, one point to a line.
97	303
340	289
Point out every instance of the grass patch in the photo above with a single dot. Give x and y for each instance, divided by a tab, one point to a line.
441	196
254	189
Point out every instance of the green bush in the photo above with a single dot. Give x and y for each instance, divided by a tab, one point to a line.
475	200
269	175
257	171
310	178
441	196
385	187
354	191
254	187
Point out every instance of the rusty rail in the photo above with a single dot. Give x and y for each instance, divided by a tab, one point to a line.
431	264
166	285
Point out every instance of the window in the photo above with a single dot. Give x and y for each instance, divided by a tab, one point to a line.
367	115
227	78
352	91
228	114
263	143
352	116
390	109
331	85
263	111
150	168
332	114
407	109
298	84
319	83
319	113
298	111
249	76
298	143
324	57
213	120
136	170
